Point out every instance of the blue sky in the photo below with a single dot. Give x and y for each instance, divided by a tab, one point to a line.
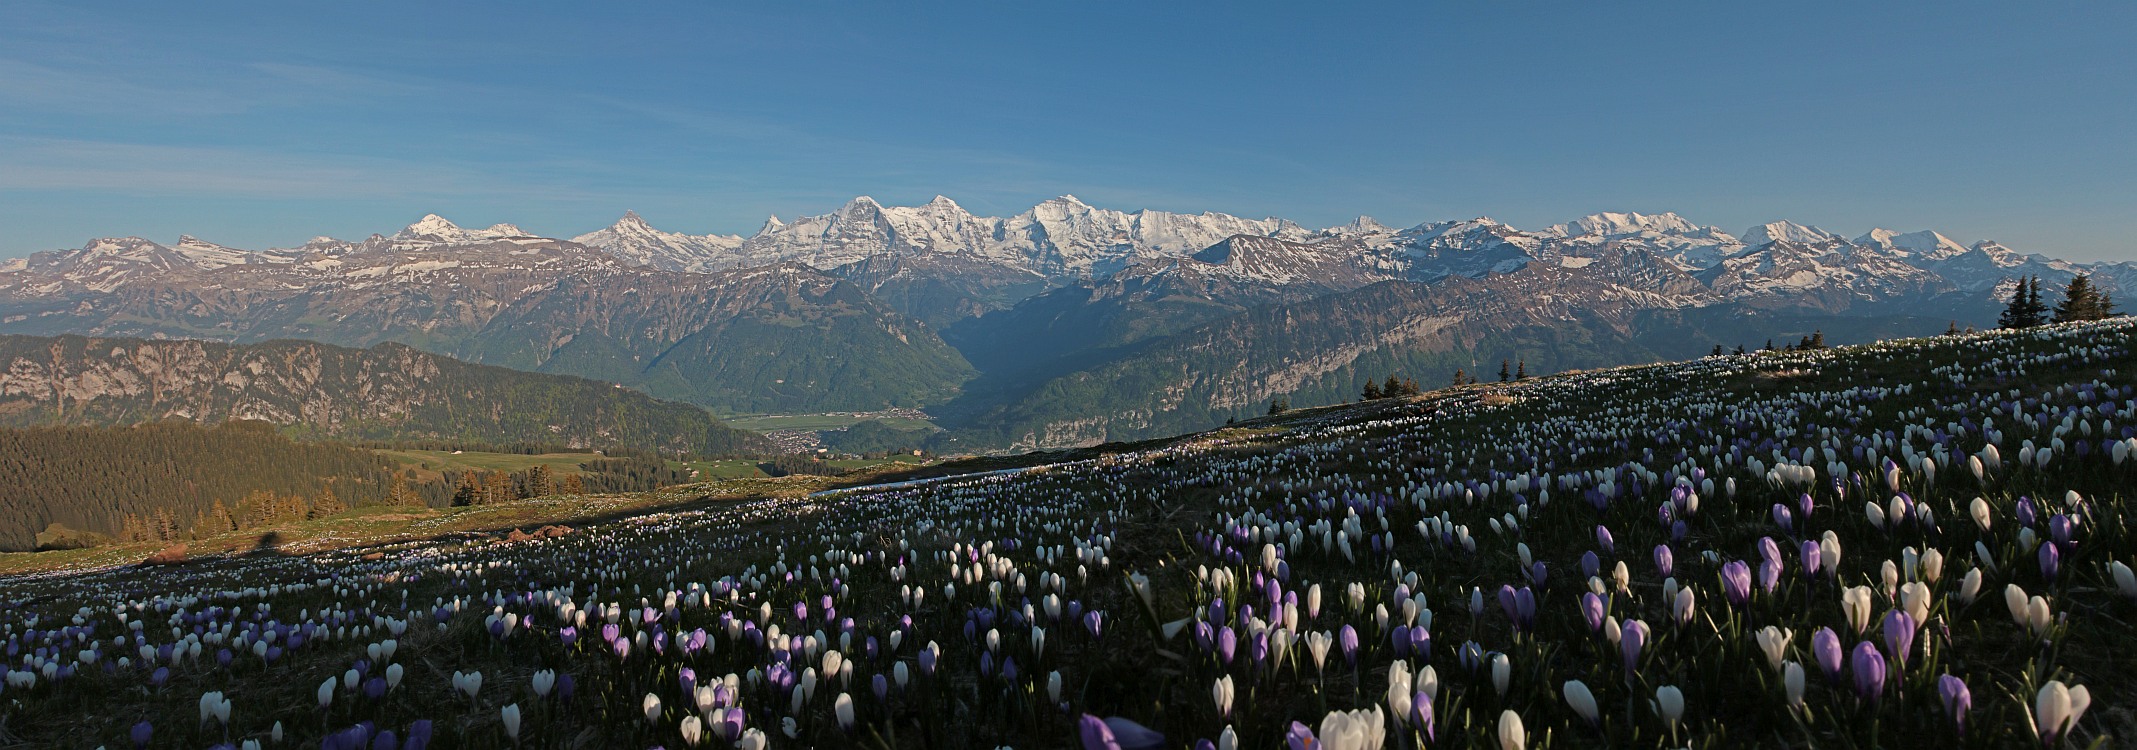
263	124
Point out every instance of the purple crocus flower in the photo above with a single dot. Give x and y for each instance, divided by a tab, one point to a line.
1298	737
1736	582
1347	640
1603	539
1591	610
1957	700
1826	650
1125	734
1783	518
1421	712
2051	558
1094	734
1665	561
731	724
1630	641
141	734
1590	565
1227	644
1869	670
1812	558
1899	635
1093	620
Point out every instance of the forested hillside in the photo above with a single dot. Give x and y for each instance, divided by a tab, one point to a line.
171	481
161	480
386	392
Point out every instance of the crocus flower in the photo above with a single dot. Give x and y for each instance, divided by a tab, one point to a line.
510	715
1899	630
1511	734
1773	641
1669	704
1826	650
1869	670
1095	735
2057	708
1583	702
1665	561
1957	700
1128	735
1630	642
1736	582
1353	730
1297	737
1792	681
1591	609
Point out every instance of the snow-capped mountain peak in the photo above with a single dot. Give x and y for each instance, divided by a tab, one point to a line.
206	254
435	228
1613	224
1362	225
1926	244
1786	231
634	241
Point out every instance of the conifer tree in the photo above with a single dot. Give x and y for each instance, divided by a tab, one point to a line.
573	485
2082	300
165	527
221	517
1392	388
1372	391
468	493
541	481
1716	352
1506	374
326	503
1279	405
1521	370
2025	309
399	494
1460	377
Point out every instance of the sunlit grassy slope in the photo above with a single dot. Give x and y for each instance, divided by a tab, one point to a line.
1913	544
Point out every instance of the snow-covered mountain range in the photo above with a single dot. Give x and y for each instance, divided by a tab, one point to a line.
874	305
1065	239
